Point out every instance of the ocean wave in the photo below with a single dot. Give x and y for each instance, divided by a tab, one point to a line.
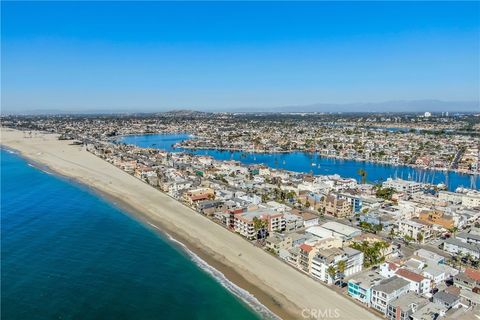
38	168
244	295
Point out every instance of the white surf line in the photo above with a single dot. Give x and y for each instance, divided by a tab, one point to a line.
244	295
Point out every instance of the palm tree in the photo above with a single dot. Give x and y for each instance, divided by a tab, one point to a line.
341	266
331	272
420	237
392	234
453	230
363	175
260	226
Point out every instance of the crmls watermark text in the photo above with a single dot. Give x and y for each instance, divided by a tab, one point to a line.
327	313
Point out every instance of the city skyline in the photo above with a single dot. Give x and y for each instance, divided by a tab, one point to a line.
236	56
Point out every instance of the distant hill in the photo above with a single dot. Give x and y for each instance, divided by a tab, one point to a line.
376	107
387	106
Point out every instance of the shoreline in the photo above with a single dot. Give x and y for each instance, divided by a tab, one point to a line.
181	243
280	288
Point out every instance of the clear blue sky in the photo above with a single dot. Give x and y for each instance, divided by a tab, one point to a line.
157	56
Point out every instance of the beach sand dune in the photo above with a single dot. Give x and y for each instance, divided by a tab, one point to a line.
284	290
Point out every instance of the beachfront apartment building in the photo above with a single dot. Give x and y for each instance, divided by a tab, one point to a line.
201	194
278	241
330	258
414	228
244	223
360	286
387	291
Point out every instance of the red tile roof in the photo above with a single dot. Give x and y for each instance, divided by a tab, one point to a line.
409	275
472	273
306	247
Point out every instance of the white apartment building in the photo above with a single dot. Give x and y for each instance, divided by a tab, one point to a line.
244	223
407	187
418	283
331	257
414	227
387	291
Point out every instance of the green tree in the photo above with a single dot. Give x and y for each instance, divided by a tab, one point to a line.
363	175
260	227
420	237
331	272
341	267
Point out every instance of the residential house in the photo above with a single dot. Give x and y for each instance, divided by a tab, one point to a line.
360	286
418	283
446	299
387	291
404	306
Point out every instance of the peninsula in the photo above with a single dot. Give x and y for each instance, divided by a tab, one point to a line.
281	288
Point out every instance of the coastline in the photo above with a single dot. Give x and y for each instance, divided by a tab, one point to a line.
279	287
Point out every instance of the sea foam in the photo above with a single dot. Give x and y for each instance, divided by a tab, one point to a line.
242	294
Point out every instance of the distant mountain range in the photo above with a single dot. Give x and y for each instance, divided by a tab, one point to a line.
374	107
387	106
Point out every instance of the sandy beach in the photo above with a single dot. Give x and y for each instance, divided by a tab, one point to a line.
285	291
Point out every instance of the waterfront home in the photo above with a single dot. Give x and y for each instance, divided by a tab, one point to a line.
196	195
306	254
326	258
278	241
360	286
387	291
404	306
209	207
244	223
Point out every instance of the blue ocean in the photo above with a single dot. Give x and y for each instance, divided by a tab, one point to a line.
69	254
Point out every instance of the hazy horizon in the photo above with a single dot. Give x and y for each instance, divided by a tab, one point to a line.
433	106
230	56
